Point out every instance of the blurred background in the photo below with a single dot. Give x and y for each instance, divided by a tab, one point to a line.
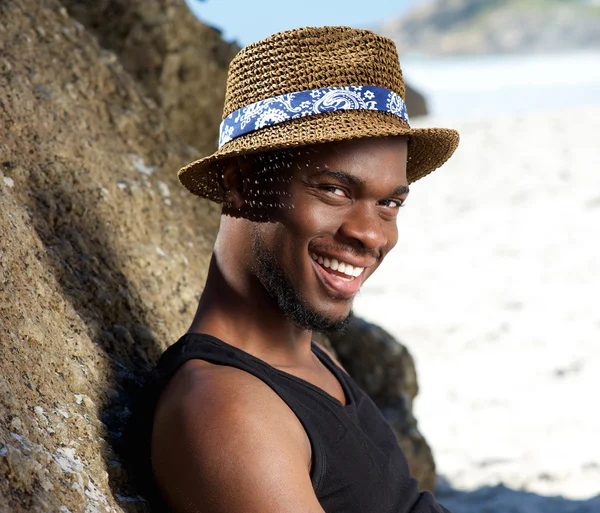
494	285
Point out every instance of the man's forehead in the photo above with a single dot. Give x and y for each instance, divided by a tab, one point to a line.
357	160
363	147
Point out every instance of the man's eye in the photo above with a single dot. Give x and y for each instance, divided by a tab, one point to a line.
334	190
392	203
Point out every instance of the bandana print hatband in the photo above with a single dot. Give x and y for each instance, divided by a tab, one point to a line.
308	103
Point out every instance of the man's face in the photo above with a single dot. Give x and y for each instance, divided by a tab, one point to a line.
339	224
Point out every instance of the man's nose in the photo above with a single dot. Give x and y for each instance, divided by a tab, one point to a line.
364	225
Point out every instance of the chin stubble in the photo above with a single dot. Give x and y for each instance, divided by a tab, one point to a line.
282	290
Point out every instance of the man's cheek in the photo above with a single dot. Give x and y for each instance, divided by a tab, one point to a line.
318	218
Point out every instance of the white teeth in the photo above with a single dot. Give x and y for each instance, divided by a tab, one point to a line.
335	265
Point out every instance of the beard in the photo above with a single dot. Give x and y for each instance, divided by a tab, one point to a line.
284	293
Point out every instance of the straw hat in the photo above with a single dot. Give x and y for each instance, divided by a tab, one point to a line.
314	85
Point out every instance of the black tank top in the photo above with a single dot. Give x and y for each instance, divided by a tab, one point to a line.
357	464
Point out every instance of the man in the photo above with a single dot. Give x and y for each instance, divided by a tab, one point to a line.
315	159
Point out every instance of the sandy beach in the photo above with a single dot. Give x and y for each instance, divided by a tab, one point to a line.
494	287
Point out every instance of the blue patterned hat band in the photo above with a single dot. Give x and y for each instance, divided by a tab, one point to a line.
308	103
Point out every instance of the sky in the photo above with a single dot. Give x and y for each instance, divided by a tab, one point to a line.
246	21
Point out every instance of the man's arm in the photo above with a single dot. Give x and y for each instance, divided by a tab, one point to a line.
224	442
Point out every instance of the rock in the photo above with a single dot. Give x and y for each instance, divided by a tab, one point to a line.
180	63
87	300
385	370
415	103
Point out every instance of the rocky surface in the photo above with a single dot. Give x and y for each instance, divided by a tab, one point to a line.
179	62
416	105
102	252
385	370
461	27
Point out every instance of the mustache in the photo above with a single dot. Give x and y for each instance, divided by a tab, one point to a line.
345	248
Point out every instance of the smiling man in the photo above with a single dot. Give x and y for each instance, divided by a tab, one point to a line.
315	160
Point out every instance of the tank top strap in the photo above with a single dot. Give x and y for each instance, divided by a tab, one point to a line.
200	346
353	393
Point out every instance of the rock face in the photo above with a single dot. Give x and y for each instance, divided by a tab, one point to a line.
102	252
415	103
385	370
462	27
180	63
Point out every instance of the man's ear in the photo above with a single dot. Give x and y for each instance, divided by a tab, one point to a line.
234	181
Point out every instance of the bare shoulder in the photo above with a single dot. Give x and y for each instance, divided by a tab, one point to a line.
330	354
225	441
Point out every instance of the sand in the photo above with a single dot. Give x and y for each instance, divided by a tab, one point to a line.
495	288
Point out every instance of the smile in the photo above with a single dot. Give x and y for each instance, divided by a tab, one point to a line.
342	268
340	277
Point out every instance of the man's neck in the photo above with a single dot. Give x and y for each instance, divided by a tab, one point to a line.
237	309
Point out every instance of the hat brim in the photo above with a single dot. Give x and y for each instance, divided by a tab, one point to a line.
428	148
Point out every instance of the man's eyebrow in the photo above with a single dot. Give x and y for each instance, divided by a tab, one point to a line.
348	179
341	176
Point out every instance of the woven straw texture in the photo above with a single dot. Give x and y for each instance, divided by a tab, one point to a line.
313	58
